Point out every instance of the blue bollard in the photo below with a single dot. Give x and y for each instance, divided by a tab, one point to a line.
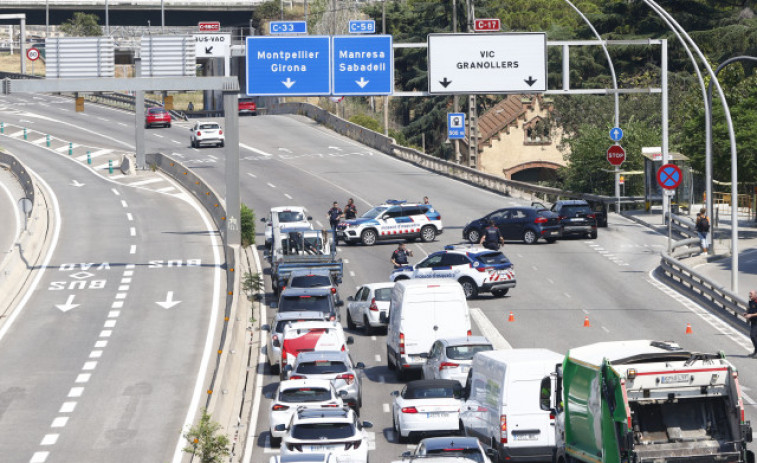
48	141
2	127
89	158
25	135
70	148
110	166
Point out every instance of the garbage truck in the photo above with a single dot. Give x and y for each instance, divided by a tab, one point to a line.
648	401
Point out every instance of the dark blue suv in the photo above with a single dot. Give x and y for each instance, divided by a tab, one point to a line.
517	223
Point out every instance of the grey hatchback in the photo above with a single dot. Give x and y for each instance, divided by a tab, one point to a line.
336	366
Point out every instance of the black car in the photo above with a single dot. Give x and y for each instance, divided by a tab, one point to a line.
577	218
517	223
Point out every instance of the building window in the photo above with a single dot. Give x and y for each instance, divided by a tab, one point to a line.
537	132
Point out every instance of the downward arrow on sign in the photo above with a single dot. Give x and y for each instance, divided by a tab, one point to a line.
208	50
68	305
362	82
169	302
531	81
289	82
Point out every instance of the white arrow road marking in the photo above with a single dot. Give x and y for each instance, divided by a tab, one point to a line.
362	82
68	305
288	83
169	302
76	183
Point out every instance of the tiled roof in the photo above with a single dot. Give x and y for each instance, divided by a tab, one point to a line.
502	115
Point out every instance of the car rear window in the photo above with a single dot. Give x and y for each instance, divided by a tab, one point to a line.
304	303
321	367
384	294
209	127
433	393
323	431
305	394
466	352
291	216
493	258
283	323
575	210
157	111
469	454
310	281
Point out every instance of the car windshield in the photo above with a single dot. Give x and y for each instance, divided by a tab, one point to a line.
375	212
470	454
304	303
383	294
323	431
305	394
575	210
321	367
310	281
291	216
436	392
209	127
493	258
466	352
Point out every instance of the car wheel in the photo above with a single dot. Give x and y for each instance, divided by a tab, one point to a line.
275	369
275	441
398	430
474	236
192	143
593	235
368	237
401	374
222	144
389	363
550	240
366	325
500	292
350	322
428	233
168	125
529	237
469	288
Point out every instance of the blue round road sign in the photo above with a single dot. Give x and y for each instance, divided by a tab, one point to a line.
616	134
669	176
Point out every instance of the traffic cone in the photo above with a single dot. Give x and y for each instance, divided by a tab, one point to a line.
688	328
511	318
586	322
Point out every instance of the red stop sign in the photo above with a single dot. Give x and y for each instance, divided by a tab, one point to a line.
616	155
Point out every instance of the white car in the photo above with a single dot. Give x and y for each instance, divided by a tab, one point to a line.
390	221
476	268
289	217
276	332
427	406
369	308
335	430
206	133
310	336
449	449
290	395
452	358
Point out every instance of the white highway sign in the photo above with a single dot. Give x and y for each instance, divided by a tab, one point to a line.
487	63
212	45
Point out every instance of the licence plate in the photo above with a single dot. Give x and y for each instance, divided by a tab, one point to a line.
436	414
319	448
526	436
576	219
553	233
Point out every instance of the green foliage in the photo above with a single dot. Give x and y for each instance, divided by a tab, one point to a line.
247	224
203	440
398	136
253	282
367	121
82	25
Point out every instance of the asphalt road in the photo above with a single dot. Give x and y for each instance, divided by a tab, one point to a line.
10	214
93	368
291	160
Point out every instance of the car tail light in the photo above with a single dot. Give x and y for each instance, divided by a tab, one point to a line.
470	333
402	343
283	288
591	216
454	450
373	307
332	318
296	447
349	378
503	429
409	410
540	220
297	377
344	348
279	407
551	416
333	290
199	133
448	365
353	445
220	132
329	405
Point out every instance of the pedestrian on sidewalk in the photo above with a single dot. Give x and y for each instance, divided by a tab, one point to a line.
751	316
703	227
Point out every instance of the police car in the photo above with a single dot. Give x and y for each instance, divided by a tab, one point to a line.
476	268
392	220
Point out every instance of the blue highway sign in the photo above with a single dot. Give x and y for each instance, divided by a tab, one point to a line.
616	134
363	65
288	27
287	66
455	126
367	26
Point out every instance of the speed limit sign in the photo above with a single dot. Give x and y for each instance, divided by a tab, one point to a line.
32	54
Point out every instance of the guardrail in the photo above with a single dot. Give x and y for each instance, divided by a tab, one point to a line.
127	101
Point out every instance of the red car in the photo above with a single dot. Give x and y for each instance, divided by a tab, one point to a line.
247	106
157	116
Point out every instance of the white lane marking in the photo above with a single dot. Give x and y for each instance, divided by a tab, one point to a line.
124	204
489	330
133	230
49	439
117	305
166	189
109	324
318	222
16	213
346	261
373	338
88	366
63	148
121	123
288	196
114	314
67	407
352	274
129	266
83	378
103	118
133	249
604	328
144	182
76	392
39	141
105	333
535	268
567	295
159	136
95	354
125	280
116	177
271	185
251	175
129	217
115	192
385	407
128	273
585	311
176	141
16	134
254	150
121	296
59	422
123	288
101	344
96	154
378	358
549	280
39	457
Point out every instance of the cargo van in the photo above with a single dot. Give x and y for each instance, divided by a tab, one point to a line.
507	403
420	312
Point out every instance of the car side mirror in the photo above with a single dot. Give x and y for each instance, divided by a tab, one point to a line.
424	355
406	454
350	298
350	340
310	217
360	365
394	393
266	327
491	453
262	219
339	303
280	427
367	424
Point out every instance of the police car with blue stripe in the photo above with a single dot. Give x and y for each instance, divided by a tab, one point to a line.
390	221
476	268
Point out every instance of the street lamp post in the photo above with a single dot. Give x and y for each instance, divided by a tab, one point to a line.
107	20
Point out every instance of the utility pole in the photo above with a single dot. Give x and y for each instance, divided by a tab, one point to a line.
386	97
455	98
472	113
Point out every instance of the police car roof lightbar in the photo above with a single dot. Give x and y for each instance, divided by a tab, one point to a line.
395	202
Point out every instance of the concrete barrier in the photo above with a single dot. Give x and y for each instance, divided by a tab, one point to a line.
19	171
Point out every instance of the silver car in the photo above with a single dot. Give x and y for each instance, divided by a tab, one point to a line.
369	307
452	358
336	366
276	330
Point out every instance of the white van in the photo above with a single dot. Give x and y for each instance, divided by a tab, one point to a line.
507	399
420	312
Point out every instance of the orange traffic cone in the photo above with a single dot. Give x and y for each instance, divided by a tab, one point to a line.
511	318
688	328
586	323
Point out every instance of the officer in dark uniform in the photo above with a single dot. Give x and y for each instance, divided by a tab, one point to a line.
492	237
350	210
751	316
399	256
334	215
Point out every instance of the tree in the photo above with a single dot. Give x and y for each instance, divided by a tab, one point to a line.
82	25
247	225
203	438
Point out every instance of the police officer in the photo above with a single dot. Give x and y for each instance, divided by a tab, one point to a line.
492	237
350	210
399	256
751	316
334	215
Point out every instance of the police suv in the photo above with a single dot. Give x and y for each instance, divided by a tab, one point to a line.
476	268
392	220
